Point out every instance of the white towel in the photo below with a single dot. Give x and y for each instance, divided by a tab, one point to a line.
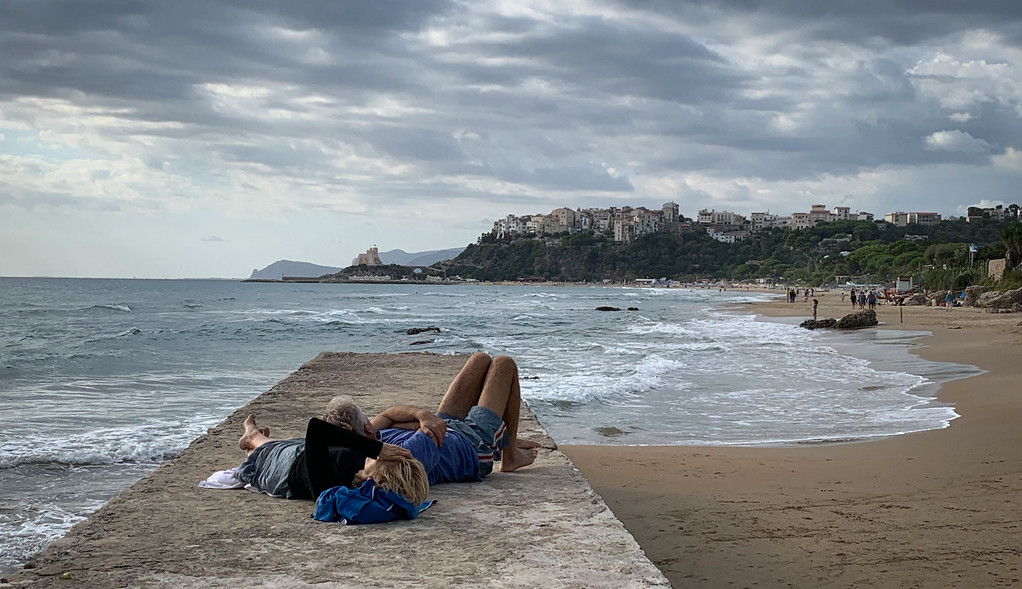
222	479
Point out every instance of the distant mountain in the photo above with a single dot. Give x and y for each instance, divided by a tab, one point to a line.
403	258
281	268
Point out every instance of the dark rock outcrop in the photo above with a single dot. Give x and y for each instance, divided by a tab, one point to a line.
867	318
1011	299
418	330
916	300
973	292
850	321
605	308
821	324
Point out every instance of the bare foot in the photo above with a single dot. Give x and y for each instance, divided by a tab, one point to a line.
513	459
249	422
246	442
527	444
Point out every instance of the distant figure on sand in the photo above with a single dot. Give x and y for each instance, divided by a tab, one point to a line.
478	417
816	303
949	300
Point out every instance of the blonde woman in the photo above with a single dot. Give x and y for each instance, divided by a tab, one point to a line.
406	477
389	490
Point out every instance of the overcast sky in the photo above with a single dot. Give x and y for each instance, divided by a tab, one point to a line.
201	138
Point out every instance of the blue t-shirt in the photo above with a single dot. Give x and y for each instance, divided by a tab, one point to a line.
453	461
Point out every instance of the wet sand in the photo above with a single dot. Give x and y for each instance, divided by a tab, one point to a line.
933	509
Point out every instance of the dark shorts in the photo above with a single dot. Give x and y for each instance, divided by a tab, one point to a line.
485	431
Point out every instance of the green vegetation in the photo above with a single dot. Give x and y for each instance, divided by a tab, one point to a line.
1011	238
863	251
394	271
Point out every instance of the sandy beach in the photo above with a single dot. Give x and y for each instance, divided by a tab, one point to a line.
931	509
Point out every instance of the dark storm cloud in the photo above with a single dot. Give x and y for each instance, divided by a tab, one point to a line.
150	51
415	144
902	23
299	157
594	55
772	89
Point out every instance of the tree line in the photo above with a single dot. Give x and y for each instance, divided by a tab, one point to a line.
938	255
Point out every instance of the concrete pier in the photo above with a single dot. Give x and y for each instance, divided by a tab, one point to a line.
540	527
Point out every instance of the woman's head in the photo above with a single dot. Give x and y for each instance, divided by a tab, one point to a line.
406	477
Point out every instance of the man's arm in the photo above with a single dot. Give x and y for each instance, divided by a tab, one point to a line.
412	418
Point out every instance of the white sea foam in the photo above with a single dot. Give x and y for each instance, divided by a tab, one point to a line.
148	442
114	307
29	528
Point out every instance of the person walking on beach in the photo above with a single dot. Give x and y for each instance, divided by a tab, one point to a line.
949	300
871	299
862	299
481	411
816	303
854	299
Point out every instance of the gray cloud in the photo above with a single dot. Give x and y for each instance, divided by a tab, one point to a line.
409	105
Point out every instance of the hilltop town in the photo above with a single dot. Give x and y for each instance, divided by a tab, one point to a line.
628	223
816	247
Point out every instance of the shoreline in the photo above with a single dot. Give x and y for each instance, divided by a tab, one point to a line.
923	509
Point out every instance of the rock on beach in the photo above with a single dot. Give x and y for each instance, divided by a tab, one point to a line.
867	318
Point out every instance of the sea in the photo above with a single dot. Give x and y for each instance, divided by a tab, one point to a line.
102	380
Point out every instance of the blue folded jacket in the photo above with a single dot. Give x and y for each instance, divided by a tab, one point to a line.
367	504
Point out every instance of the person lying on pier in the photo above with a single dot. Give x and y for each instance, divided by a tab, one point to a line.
332	452
475	424
323	466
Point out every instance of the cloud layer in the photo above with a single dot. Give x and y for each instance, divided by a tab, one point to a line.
206	138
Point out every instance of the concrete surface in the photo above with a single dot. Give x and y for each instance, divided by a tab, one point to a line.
540	527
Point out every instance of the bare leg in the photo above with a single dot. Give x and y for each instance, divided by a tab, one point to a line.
467	387
502	395
254	436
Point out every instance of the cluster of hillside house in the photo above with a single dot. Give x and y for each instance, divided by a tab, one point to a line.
1011	212
628	223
